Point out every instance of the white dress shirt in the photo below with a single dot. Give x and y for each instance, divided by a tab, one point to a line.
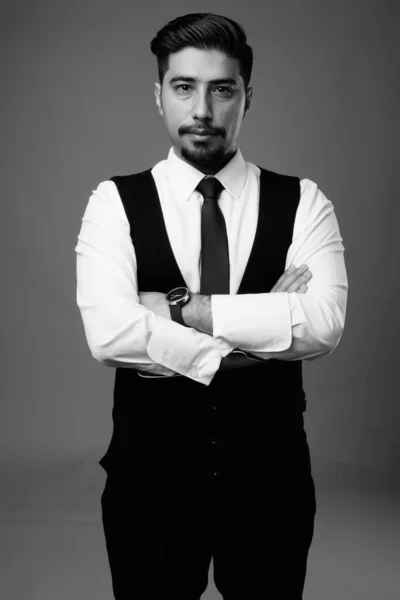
286	326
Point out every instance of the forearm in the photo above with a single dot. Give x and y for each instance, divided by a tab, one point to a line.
282	326
122	333
285	326
197	313
233	312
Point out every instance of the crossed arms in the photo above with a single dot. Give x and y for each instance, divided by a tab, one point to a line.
198	312
288	323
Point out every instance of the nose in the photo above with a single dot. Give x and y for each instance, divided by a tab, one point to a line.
201	108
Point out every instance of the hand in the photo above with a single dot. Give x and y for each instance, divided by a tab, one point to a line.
155	301
293	280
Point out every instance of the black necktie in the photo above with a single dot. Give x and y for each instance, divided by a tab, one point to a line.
214	240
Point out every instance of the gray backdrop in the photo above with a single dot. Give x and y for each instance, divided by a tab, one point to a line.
78	107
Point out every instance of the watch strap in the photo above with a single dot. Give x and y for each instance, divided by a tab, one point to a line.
176	314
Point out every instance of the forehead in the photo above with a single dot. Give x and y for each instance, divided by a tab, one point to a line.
204	65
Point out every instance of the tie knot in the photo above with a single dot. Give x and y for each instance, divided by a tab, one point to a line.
210	187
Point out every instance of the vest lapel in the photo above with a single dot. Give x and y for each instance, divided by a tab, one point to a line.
157	269
278	201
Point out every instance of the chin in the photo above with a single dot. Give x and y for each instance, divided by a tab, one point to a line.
200	152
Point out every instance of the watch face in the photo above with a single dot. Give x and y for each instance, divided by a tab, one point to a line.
176	294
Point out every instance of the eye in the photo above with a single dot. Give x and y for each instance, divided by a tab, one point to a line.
183	85
226	91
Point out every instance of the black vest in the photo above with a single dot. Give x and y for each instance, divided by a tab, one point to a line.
175	424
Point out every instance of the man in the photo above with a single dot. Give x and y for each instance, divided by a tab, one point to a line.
205	281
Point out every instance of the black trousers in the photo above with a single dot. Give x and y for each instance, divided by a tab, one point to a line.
256	524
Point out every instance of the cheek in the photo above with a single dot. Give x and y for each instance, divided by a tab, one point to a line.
232	119
170	120
174	113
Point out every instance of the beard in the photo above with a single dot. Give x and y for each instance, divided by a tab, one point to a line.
203	154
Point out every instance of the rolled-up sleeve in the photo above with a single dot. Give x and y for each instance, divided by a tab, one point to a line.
120	332
293	326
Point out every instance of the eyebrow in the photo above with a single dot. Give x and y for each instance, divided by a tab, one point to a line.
227	80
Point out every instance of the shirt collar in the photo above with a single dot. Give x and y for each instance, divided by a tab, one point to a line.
184	178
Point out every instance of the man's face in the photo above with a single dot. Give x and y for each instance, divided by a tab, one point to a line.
203	91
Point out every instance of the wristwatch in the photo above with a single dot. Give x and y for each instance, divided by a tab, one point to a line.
177	298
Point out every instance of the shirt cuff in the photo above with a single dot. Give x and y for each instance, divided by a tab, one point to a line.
253	322
296	310
184	350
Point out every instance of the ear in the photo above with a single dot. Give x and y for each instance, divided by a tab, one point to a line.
249	96
157	93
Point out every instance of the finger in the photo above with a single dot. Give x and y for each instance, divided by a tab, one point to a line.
284	281
303	289
303	279
288	278
282	278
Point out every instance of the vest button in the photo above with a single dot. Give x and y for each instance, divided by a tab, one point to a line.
214	407
215	473
212	440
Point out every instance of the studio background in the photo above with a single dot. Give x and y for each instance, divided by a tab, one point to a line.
77	108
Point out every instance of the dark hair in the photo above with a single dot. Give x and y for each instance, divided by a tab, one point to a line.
204	31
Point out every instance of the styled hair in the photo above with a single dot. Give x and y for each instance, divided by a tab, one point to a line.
204	31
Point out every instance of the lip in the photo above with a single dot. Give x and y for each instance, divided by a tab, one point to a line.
200	134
